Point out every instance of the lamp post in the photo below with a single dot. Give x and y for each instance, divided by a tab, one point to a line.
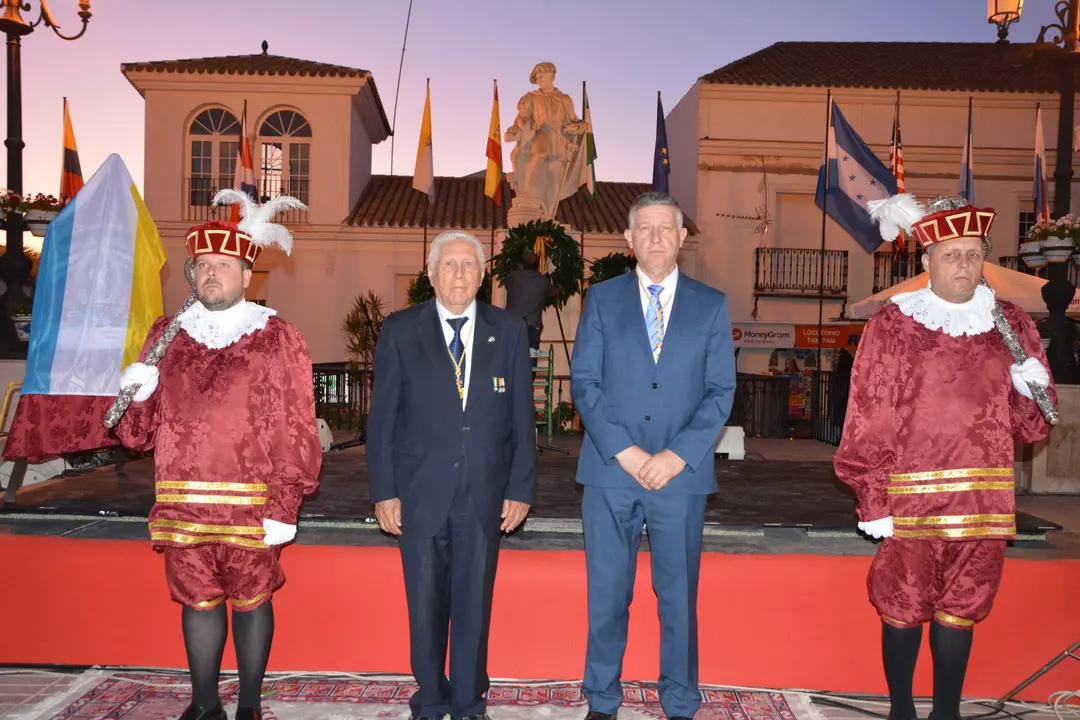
14	265
1058	292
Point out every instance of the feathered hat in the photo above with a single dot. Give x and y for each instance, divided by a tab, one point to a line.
247	239
946	218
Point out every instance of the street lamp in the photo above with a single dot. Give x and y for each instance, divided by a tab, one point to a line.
1003	13
14	265
1058	291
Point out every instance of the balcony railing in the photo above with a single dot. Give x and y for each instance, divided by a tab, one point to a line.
199	192
797	272
1014	262
890	268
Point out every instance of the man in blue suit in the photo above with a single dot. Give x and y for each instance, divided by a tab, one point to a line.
452	463
653	378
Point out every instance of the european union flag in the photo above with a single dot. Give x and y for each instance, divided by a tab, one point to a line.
661	165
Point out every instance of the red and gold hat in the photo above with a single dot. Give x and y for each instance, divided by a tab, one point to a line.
950	224
222	238
946	218
246	239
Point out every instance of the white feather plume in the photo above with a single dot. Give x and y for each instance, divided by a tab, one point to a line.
255	219
896	213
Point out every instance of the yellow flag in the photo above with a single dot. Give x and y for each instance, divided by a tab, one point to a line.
493	181
424	174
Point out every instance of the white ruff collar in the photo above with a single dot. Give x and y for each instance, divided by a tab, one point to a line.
974	317
221	328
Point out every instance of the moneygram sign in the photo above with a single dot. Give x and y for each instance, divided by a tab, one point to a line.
763	335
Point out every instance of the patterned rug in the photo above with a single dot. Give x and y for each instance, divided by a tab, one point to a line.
131	696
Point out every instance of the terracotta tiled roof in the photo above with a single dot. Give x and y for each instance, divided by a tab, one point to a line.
964	67
261	64
391	201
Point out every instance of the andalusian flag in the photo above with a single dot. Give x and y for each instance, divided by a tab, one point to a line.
71	180
424	174
590	145
493	180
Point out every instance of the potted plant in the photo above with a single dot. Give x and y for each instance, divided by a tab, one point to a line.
20	316
1055	240
37	211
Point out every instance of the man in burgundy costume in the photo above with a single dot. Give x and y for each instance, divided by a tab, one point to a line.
230	414
928	449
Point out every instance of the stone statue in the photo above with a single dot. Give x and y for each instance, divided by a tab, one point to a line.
549	157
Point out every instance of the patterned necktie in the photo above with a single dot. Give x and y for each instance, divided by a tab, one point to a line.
654	321
457	352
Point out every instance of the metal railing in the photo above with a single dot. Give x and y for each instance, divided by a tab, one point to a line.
795	271
828	405
199	193
1015	262
890	268
342	396
761	405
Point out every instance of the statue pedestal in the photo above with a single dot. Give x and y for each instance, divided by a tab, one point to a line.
524	210
1055	462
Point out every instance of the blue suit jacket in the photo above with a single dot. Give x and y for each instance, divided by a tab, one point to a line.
680	403
421	446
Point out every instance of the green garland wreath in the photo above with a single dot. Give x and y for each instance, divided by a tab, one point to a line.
420	289
611	266
560	257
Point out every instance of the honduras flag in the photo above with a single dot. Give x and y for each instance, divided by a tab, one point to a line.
851	176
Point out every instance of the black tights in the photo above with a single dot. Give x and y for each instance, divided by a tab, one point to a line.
204	639
950	649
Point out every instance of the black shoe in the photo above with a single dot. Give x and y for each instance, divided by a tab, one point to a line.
248	714
477	716
600	716
416	717
196	712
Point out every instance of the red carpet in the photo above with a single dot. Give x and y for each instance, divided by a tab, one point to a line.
782	621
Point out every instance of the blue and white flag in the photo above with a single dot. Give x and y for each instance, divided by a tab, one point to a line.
851	176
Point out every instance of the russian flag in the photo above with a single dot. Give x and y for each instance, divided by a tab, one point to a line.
244	176
98	288
1042	207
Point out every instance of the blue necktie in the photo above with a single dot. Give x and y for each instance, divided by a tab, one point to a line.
654	321
457	352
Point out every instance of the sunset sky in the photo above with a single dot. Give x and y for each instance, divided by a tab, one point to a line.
625	49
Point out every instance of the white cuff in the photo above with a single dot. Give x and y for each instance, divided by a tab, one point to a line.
277	533
881	528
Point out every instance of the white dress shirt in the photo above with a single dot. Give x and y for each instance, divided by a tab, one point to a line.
667	295
468	331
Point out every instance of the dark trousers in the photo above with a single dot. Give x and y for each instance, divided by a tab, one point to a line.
613	519
449	580
534	339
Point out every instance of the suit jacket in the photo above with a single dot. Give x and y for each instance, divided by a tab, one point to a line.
421	446
679	403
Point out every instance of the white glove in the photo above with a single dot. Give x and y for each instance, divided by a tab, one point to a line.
143	375
878	528
277	533
1030	371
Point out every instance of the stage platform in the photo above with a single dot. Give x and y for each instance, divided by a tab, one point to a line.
782	601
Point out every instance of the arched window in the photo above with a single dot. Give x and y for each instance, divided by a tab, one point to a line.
284	156
213	138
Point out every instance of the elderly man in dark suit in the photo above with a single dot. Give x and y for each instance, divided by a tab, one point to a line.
452	464
653	377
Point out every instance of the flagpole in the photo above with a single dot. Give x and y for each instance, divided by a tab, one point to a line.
397	92
824	218
895	167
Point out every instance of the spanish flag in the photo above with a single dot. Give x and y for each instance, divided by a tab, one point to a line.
424	174
493	181
71	180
